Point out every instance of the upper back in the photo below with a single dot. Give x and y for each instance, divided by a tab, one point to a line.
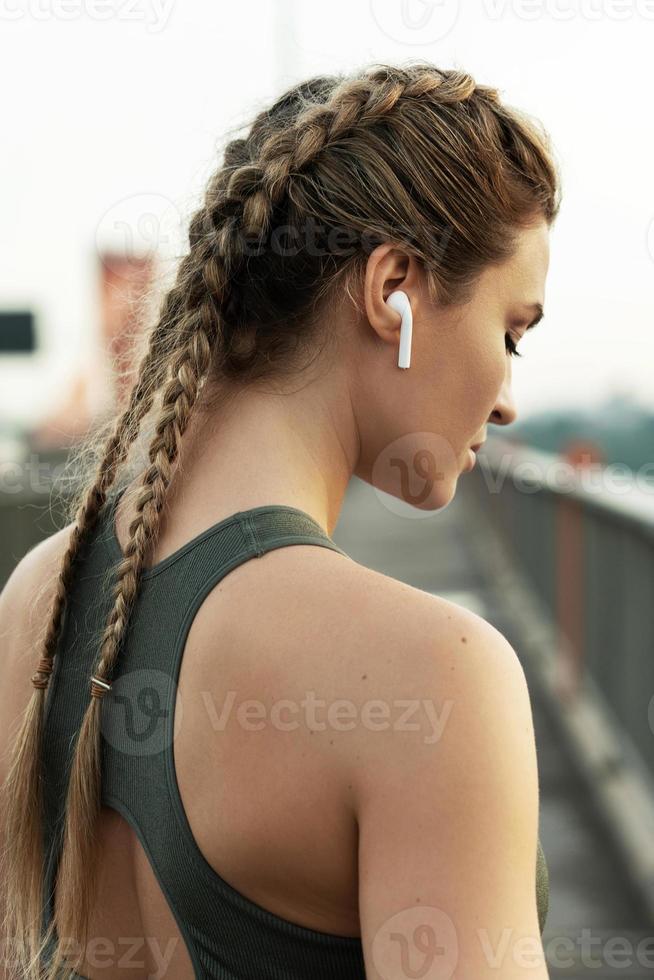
251	650
284	666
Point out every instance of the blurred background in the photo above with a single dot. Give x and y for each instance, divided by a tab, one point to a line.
113	117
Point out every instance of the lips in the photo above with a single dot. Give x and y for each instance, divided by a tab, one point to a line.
477	447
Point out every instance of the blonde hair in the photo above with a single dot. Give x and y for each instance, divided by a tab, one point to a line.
424	157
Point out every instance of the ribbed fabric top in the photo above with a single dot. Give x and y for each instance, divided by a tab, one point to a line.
227	935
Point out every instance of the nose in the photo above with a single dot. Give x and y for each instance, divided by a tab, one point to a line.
504	412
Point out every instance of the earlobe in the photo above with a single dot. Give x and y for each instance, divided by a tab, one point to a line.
399	301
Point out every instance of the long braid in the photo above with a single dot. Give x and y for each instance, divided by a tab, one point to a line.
24	777
84	792
188	369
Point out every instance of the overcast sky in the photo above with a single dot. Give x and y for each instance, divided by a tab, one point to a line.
113	109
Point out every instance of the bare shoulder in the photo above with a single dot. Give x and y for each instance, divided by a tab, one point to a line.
402	635
400	630
369	637
441	764
456	675
29	590
25	605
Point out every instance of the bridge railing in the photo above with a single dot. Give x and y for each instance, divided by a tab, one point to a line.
583	536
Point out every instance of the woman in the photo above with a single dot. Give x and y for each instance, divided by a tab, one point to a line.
291	834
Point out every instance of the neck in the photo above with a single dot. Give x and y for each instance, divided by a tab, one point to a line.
298	449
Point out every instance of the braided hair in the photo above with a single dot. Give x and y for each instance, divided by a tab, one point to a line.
421	156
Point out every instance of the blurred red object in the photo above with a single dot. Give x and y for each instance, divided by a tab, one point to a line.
126	284
583	452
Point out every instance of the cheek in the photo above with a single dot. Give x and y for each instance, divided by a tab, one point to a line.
498	367
502	372
462	383
491	378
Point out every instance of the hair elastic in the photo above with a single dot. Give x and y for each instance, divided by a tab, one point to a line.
99	687
42	675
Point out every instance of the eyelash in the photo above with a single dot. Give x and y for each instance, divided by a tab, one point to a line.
511	347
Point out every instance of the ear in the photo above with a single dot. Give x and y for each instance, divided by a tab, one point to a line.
388	269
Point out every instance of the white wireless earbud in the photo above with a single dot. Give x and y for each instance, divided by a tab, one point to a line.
399	301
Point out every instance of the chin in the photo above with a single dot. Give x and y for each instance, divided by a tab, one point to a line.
416	473
442	495
435	498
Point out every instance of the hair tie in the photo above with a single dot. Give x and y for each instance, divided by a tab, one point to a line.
42	676
99	687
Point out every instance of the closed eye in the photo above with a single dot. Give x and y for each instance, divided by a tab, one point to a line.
510	346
